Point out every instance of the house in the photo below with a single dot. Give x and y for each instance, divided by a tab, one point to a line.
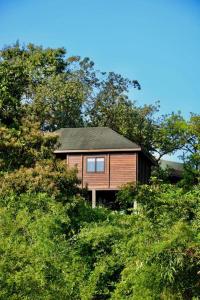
105	160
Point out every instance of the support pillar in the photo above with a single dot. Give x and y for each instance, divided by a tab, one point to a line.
135	207
93	198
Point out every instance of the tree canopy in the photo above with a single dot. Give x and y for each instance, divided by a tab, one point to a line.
60	91
53	245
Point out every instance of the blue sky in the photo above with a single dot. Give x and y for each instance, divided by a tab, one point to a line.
156	42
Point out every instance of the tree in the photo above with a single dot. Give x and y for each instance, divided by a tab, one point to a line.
13	80
60	91
44	83
53	245
191	153
61	101
151	254
39	199
24	146
36	259
157	135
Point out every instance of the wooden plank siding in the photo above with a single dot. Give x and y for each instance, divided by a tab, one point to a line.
96	180
74	160
120	168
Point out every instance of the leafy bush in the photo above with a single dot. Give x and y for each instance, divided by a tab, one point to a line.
153	254
36	261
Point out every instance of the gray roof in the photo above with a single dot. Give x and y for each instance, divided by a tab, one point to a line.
92	138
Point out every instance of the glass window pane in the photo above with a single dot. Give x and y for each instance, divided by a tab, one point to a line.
99	164
90	164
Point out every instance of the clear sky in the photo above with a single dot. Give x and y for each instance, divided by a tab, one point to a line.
156	42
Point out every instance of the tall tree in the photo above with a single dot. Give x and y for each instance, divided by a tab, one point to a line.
44	83
191	150
60	91
141	124
13	82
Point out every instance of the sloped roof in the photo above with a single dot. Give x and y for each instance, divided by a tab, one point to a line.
92	138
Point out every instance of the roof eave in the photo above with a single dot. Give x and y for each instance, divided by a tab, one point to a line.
97	150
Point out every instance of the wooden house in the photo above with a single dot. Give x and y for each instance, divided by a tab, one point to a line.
105	160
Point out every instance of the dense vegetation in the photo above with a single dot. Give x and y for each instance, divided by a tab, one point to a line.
52	244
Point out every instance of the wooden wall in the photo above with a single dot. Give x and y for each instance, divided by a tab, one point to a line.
75	161
120	168
96	180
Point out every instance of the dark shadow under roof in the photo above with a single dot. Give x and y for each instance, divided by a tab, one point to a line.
92	138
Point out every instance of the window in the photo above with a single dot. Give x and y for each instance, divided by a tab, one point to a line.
90	164
95	165
99	164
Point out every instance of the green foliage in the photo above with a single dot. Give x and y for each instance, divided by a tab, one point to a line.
151	254
36	261
52	244
13	81
61	100
24	146
50	177
60	91
169	136
43	83
160	135
191	156
126	195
